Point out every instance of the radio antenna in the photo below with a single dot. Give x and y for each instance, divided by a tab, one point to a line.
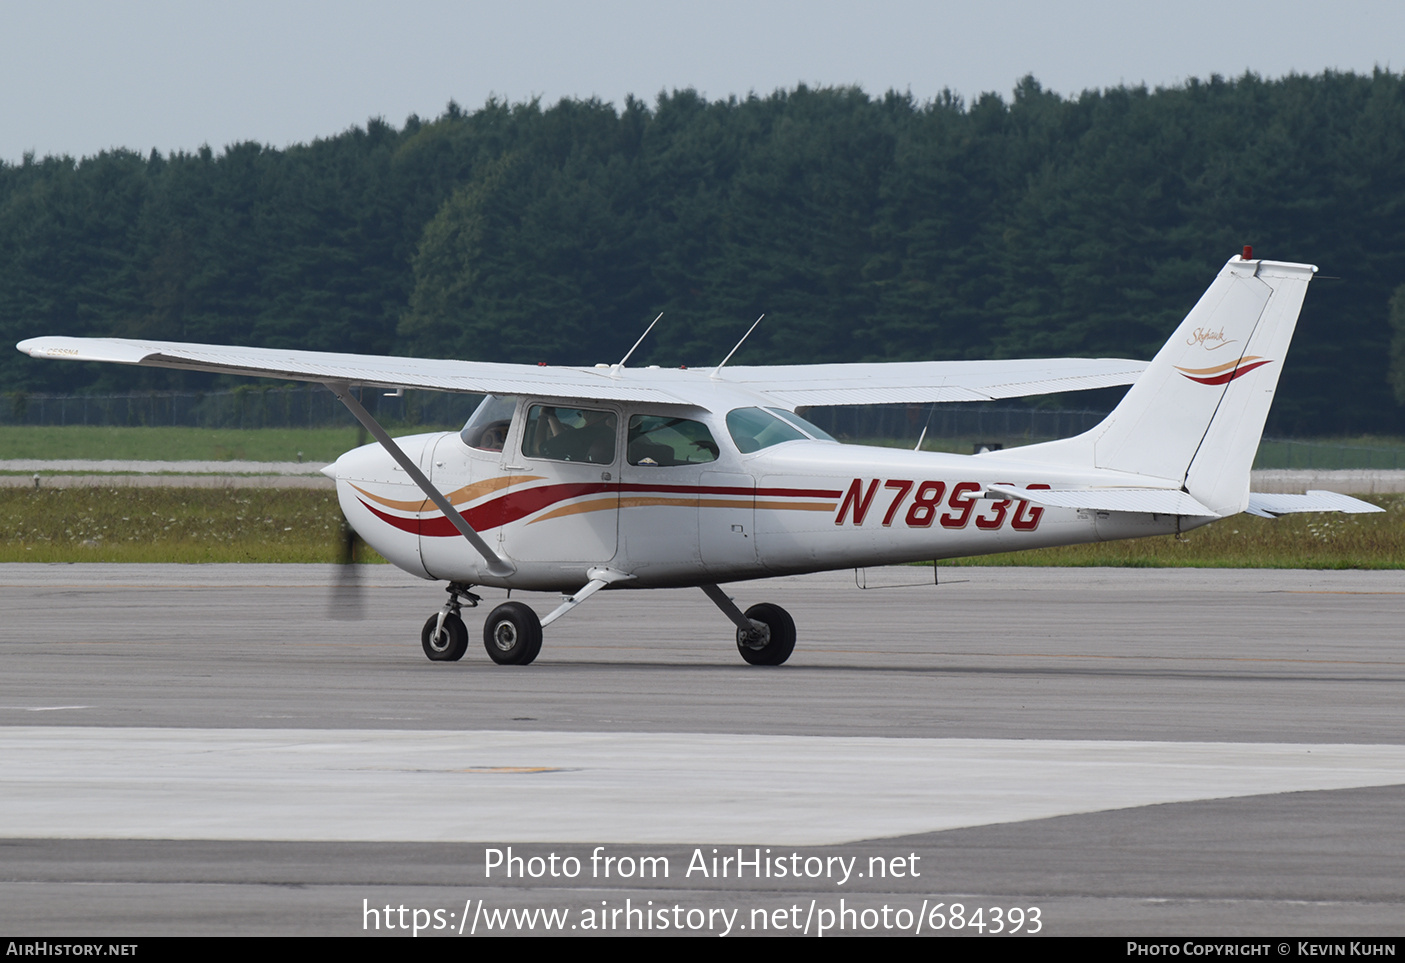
640	341
718	369
923	437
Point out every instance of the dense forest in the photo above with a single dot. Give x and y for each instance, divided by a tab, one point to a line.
866	228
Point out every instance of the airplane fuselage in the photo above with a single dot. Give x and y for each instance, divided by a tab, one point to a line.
794	506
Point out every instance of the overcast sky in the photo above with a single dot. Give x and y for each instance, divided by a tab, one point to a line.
80	77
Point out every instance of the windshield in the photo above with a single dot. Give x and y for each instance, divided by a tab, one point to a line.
487	428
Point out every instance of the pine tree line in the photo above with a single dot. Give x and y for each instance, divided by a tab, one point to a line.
867	228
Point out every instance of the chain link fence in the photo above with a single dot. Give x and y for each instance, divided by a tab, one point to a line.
982	424
255	406
962	427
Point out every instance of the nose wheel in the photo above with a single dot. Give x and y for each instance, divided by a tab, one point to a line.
444	640
445	637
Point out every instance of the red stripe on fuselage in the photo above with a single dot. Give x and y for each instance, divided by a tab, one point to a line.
512	506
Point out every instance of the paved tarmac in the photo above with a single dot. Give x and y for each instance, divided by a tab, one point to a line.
200	749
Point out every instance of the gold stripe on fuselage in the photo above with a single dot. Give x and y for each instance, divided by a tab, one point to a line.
465	494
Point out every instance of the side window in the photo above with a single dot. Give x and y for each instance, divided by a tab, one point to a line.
658	440
487	429
570	434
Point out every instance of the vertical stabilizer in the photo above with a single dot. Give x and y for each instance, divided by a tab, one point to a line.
1218	475
1196	414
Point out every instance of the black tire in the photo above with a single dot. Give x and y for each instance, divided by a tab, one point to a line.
782	642
512	634
452	642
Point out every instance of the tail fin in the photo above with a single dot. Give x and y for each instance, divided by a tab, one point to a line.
1196	414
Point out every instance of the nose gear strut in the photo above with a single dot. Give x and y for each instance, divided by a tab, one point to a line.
459	596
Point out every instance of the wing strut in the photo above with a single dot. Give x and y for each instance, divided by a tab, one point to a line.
497	565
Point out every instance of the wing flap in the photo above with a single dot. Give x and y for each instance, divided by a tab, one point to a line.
911	382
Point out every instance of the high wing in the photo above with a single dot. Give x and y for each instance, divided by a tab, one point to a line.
473	377
790	386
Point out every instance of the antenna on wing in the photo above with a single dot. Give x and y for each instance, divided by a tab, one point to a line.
639	342
717	370
923	437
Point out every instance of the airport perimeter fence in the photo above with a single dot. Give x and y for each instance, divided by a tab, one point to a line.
293	406
960	427
311	406
972	426
981	423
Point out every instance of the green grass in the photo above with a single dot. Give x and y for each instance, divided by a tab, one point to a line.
302	525
179	444
170	525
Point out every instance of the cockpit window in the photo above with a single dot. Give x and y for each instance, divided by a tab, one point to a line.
570	434
661	441
756	428
487	429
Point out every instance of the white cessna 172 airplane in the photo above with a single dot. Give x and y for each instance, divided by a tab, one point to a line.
579	479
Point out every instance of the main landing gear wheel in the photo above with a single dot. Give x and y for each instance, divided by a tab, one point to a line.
513	634
773	642
449	644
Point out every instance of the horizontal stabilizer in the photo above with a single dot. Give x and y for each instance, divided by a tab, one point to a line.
1267	505
1153	501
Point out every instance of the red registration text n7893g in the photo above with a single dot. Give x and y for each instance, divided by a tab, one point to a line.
923	510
